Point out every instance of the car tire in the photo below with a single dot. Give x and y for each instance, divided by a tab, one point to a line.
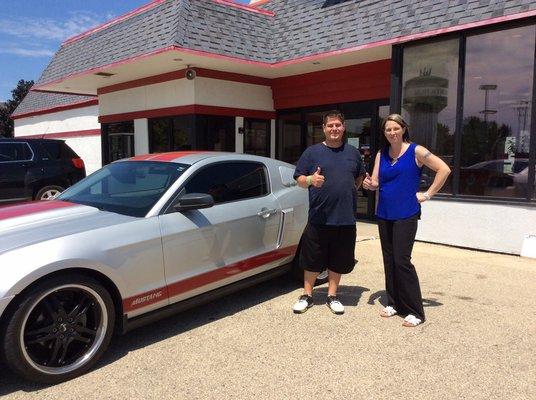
58	329
48	192
297	272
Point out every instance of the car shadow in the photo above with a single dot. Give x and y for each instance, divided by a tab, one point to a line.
169	327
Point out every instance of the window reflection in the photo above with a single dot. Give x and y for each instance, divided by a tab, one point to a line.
430	81
497	108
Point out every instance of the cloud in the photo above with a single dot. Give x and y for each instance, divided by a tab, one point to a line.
50	29
26	52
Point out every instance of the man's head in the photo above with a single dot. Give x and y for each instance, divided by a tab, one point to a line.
333	127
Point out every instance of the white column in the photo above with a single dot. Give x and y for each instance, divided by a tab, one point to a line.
239	137
272	138
141	136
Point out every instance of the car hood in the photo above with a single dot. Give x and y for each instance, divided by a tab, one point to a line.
34	222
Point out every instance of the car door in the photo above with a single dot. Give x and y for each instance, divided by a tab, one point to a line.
15	160
237	237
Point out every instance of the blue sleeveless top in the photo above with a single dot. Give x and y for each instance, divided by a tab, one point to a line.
398	185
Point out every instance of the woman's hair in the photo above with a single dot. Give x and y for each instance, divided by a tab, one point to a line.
400	121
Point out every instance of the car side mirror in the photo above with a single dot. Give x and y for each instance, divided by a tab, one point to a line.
194	201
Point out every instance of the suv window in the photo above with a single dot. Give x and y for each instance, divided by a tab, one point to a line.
10	152
56	151
230	181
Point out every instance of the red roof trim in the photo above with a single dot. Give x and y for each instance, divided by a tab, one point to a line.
114	21
219	274
185	110
32	207
180	74
169	156
63	135
244	7
80	104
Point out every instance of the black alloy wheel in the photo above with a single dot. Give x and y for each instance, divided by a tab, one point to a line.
60	329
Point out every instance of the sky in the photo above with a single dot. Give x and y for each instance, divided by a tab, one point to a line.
31	31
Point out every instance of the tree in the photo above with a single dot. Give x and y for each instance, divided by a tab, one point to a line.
17	94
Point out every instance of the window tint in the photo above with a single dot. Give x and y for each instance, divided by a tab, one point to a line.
230	181
56	151
10	152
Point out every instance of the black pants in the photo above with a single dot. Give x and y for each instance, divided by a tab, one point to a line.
401	280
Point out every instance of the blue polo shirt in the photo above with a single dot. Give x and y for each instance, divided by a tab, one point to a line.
335	203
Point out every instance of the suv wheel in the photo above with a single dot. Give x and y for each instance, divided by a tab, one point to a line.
59	329
48	192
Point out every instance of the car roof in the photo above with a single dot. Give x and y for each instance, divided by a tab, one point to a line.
192	157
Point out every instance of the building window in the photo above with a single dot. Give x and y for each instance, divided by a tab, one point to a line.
429	90
257	137
118	141
171	134
496	119
290	143
192	132
486	138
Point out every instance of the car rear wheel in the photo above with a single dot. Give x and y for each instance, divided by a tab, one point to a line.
59	329
48	192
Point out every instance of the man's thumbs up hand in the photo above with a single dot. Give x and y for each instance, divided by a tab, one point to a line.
318	178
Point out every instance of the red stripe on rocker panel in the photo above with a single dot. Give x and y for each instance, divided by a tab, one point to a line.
32	208
219	274
174	289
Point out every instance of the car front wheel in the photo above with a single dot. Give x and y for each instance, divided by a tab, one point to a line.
59	329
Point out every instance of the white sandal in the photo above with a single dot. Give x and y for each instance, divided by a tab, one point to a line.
388	312
411	321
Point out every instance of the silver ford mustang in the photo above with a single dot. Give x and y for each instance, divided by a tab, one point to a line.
138	240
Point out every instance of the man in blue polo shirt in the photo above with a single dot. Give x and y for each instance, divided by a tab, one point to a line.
332	171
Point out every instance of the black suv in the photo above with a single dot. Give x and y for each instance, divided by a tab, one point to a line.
37	169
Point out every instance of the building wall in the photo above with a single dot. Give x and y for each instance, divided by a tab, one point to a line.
79	127
368	81
183	92
493	227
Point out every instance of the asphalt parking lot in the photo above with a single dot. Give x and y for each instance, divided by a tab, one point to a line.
478	343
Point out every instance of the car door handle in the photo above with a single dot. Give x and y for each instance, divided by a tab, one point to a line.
265	213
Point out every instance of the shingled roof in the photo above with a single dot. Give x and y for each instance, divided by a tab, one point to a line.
299	28
39	101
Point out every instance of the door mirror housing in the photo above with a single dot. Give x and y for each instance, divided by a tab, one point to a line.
194	201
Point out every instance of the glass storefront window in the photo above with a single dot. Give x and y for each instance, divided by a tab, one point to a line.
120	140
290	144
315	131
497	109
257	137
429	90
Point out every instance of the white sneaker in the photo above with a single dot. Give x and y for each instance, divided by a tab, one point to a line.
303	304
335	305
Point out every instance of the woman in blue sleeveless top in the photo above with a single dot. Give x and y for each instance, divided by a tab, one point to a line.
397	175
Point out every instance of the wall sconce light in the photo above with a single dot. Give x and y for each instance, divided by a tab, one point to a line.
241	130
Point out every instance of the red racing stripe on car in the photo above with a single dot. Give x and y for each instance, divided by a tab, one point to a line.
32	207
174	289
164	156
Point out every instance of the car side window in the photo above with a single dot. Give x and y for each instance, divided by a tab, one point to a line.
230	181
10	152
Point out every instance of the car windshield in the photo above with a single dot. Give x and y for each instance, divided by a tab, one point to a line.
127	187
